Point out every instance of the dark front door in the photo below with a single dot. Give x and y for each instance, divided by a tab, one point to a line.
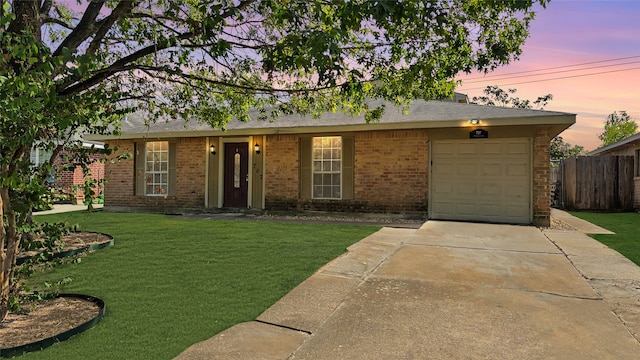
236	174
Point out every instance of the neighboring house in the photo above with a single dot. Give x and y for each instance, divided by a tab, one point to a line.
70	182
627	147
445	160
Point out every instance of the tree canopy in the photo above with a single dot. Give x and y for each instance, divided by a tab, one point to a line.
563	150
74	67
495	96
618	126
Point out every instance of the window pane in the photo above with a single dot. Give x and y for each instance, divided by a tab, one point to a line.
335	166
326	179
236	171
317	166
336	192
326	165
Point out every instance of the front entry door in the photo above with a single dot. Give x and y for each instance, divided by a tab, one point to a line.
236	174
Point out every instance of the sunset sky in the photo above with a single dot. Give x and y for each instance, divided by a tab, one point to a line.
587	54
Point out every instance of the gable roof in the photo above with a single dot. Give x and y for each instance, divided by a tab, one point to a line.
420	115
615	145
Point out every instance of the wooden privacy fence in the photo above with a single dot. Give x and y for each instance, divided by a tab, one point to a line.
593	183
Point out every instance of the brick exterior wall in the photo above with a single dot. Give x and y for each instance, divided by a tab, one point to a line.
190	178
391	171
390	174
66	180
119	187
281	172
541	173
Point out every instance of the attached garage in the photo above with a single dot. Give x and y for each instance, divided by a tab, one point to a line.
482	180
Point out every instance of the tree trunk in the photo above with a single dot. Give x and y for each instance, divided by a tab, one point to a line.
27	18
9	248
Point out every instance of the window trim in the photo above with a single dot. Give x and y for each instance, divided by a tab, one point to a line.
140	176
164	148
329	172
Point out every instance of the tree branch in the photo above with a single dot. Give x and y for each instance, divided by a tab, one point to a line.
84	29
116	67
123	8
45	8
50	20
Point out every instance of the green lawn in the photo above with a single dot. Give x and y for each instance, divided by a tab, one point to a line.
626	226
169	282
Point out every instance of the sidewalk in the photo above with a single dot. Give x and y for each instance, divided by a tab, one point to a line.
62	208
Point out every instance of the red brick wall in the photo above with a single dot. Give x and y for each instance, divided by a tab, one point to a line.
390	174
541	173
190	178
119	187
281	171
191	156
391	170
67	179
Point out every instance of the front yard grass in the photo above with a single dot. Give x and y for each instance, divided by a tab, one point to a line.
626	241
169	282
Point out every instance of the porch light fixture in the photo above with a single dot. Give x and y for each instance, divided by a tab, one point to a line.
212	149
474	121
257	148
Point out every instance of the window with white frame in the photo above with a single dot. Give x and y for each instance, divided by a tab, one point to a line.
327	167
157	168
39	156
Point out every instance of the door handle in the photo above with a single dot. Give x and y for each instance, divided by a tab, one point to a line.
247	178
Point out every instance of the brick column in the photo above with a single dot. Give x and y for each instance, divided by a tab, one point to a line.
541	173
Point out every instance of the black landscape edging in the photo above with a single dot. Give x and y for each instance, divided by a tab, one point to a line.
69	253
45	343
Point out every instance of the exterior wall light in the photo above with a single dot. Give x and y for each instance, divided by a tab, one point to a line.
257	148
212	149
474	121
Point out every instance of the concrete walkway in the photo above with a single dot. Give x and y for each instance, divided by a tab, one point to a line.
452	290
63	208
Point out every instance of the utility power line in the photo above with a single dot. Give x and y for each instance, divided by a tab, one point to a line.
556	67
559	78
552	72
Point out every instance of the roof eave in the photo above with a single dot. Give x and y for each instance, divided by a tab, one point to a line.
559	123
615	145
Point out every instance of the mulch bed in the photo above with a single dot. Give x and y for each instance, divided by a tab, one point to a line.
50	317
46	319
73	241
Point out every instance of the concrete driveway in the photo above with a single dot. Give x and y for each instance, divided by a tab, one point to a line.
452	290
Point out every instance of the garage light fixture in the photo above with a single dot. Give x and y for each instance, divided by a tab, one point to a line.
212	149
257	148
474	121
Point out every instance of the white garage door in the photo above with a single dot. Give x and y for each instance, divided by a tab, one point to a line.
481	180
